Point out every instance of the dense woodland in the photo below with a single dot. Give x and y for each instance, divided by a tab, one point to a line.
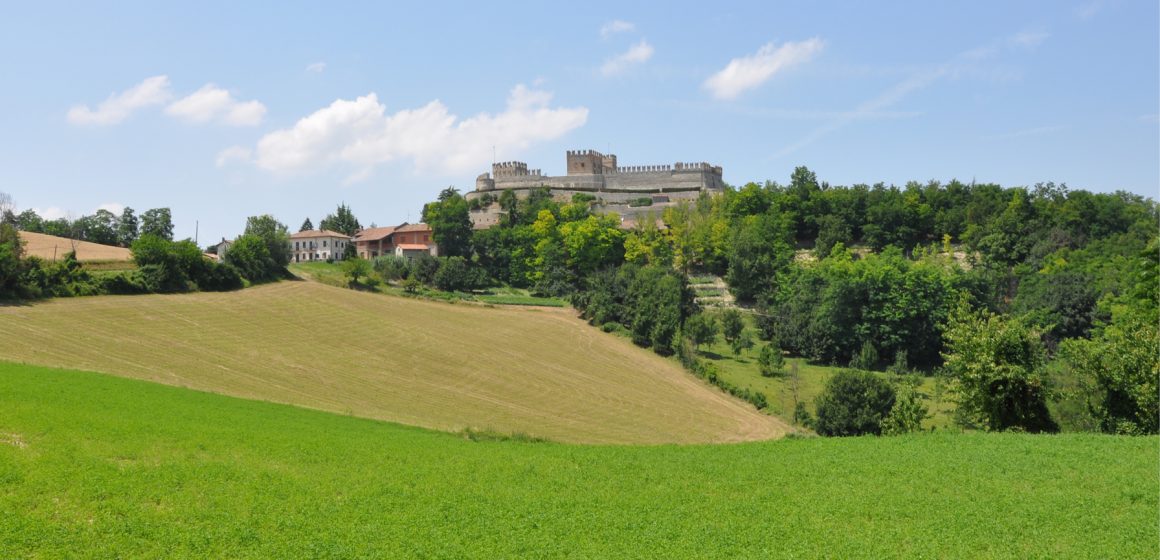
1020	297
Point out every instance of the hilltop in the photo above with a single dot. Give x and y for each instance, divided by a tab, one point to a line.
429	364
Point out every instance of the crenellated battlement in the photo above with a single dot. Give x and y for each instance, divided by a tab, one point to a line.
513	169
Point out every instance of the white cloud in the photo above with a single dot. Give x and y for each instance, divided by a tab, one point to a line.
616	26
114	207
232	154
317	67
211	103
748	72
118	107
52	213
359	135
636	54
1029	38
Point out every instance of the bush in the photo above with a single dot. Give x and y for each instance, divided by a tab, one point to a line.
907	414
392	267
455	274
853	403
423	268
770	361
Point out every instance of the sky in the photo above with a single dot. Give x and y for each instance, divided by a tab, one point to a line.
221	111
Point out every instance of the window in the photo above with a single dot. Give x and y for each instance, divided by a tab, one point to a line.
323	242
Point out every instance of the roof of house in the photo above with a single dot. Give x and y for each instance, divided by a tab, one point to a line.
413	227
311	233
413	247
374	234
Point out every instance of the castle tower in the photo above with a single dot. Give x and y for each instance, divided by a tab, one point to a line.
609	163
484	183
585	162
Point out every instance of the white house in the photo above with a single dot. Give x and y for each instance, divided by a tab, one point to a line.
318	245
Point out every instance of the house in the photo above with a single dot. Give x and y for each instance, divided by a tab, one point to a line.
220	248
405	240
318	245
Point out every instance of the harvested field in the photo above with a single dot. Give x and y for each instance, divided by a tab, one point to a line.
50	247
436	365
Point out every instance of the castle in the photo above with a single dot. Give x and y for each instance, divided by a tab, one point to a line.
629	191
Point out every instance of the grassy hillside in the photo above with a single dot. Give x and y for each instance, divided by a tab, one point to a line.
428	364
99	466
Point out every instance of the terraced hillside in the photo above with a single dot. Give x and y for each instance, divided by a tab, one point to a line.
427	364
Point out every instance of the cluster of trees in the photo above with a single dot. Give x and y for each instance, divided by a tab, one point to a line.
103	227
163	265
874	277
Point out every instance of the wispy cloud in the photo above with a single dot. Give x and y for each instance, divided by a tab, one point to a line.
316	67
1036	131
232	154
616	26
118	106
748	72
1088	10
211	103
359	135
636	54
915	82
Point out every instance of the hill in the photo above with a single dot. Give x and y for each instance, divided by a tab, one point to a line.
436	365
51	247
97	466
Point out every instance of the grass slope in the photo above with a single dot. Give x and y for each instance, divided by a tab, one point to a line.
99	466
428	364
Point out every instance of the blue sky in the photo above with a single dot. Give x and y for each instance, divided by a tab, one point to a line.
225	110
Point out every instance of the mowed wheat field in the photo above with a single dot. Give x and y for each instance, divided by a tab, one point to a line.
448	367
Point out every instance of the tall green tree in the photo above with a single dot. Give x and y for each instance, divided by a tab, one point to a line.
307	225
157	222
342	221
127	227
275	236
996	366
450	223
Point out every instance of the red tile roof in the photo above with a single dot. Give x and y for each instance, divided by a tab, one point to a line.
318	233
374	234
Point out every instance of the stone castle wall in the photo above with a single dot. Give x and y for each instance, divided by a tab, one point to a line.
594	173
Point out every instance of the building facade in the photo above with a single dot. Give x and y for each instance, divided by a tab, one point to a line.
318	245
406	240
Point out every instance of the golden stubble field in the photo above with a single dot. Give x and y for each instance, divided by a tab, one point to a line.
50	247
430	364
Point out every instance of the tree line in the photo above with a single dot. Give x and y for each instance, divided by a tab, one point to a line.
913	278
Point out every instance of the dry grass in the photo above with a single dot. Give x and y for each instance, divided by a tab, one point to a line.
50	247
430	364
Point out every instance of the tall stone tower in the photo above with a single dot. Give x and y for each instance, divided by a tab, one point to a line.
585	162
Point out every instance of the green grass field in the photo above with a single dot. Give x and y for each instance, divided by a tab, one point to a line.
742	370
95	466
432	364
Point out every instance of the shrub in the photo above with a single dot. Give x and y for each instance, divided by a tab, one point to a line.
770	361
853	403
